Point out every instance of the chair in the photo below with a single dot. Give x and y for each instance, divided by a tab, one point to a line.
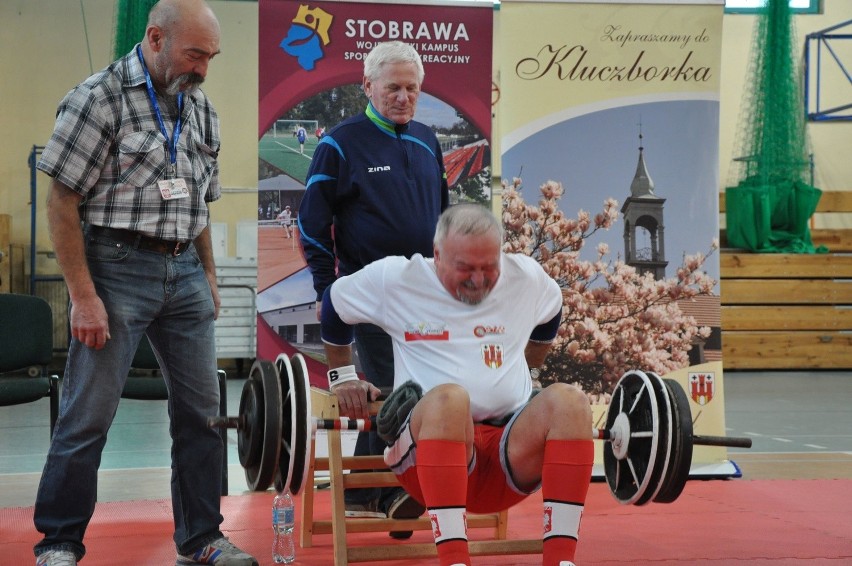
146	383
324	406
26	351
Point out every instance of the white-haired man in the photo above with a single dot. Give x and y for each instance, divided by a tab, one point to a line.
466	432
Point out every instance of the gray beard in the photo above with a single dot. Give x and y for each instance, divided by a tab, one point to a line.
470	300
192	79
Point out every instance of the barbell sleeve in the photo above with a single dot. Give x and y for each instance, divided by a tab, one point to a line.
225	422
730	441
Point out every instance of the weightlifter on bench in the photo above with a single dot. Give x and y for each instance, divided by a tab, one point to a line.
465	431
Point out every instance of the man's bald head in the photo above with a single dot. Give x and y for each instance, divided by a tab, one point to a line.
181	38
172	15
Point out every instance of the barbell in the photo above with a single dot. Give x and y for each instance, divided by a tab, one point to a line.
646	458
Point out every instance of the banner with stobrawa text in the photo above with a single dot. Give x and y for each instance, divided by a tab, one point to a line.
619	103
311	63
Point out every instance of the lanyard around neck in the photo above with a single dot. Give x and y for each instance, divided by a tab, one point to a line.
152	96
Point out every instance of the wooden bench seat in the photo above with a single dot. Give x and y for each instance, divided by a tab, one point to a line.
790	311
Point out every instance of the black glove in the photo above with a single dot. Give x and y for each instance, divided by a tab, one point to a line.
396	409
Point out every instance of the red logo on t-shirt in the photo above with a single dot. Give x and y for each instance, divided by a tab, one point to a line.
426	331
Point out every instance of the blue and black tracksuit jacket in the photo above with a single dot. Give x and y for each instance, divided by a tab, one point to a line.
374	189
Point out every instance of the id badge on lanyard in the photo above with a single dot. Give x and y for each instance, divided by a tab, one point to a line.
173	187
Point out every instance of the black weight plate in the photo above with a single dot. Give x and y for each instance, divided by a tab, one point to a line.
612	467
294	459
284	471
664	440
250	433
678	474
629	477
303	423
259	477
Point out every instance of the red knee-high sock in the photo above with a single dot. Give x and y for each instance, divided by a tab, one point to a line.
442	472
565	476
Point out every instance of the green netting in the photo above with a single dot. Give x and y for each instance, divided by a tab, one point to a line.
131	18
769	199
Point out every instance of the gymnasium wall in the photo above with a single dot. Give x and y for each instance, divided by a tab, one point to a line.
46	46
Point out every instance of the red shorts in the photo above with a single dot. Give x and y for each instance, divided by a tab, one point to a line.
489	485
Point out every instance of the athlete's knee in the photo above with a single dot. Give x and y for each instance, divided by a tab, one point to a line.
567	407
443	412
447	399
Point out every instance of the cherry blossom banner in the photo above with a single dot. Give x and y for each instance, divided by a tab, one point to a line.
608	134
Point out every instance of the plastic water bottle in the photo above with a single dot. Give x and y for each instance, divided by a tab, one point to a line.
283	520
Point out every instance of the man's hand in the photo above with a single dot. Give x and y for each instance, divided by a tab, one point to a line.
204	248
355	397
214	291
89	322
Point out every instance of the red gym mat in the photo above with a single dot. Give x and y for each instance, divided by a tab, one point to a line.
713	522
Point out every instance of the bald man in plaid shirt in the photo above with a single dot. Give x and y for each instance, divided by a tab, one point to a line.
133	158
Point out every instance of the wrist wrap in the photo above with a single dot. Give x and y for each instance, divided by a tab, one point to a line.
341	375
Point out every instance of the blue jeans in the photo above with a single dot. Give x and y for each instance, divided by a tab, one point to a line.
375	352
169	299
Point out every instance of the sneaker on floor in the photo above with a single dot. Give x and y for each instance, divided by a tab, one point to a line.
56	558
369	510
404	507
220	552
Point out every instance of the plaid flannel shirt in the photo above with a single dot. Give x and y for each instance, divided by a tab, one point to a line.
108	147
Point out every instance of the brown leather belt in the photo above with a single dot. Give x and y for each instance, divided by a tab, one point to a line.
140	241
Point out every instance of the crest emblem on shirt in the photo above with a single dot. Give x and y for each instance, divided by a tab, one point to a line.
548	518
492	355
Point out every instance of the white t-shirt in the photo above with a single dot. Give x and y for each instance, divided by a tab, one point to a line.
438	339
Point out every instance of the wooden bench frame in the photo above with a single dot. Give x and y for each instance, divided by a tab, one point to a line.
324	405
790	311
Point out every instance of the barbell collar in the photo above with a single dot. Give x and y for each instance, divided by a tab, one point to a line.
599	434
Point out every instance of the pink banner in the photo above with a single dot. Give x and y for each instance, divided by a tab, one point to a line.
311	57
310	47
